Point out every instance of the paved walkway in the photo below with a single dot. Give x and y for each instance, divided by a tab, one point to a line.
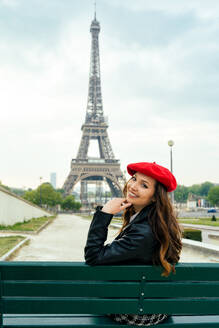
64	240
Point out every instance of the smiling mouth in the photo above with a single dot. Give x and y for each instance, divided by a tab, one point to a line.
131	195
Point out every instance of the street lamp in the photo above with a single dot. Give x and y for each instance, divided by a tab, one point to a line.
40	193
124	175
171	143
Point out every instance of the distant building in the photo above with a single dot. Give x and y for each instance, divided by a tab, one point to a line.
195	202
191	201
53	179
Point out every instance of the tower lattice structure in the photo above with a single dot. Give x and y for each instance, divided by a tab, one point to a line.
104	168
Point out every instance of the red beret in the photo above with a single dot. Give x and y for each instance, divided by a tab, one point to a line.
157	172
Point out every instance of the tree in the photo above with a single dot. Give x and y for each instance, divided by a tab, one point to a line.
31	196
45	194
61	191
205	187
213	195
69	203
195	189
181	194
201	189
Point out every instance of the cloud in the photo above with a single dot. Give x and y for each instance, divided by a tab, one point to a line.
9	3
180	77
202	8
43	102
154	89
193	152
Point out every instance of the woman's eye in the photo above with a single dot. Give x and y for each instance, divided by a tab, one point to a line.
145	186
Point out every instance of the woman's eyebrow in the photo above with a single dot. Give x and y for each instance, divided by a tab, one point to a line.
145	181
134	175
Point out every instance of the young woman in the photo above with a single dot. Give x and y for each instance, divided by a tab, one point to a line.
150	233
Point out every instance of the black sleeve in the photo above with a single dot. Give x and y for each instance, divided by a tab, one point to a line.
137	243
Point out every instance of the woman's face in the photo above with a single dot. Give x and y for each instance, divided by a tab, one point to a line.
140	190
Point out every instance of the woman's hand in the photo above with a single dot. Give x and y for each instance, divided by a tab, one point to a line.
115	205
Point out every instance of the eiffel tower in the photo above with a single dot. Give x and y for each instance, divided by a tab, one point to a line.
105	167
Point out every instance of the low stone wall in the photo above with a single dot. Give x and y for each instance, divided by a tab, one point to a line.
15	209
196	214
204	248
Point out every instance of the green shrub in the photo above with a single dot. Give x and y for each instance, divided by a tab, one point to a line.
192	234
213	218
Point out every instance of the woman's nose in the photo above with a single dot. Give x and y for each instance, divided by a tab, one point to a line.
133	186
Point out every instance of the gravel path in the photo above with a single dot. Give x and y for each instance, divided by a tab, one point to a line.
64	240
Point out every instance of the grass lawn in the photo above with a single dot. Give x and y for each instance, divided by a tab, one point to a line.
7	243
30	225
203	221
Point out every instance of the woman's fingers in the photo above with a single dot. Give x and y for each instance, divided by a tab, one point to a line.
115	205
125	205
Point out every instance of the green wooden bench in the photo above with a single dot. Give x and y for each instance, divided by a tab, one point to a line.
65	294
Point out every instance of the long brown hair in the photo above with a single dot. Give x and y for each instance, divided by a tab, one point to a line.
163	222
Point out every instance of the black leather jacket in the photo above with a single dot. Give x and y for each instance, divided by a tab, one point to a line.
134	245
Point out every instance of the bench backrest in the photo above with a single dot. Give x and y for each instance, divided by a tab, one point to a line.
68	288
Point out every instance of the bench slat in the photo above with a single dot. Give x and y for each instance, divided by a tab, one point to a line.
71	289
86	321
182	289
81	271
68	305
182	306
79	288
109	289
103	306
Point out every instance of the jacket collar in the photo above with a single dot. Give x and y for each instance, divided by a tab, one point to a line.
142	215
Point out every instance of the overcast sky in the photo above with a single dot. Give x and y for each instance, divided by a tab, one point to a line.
160	80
